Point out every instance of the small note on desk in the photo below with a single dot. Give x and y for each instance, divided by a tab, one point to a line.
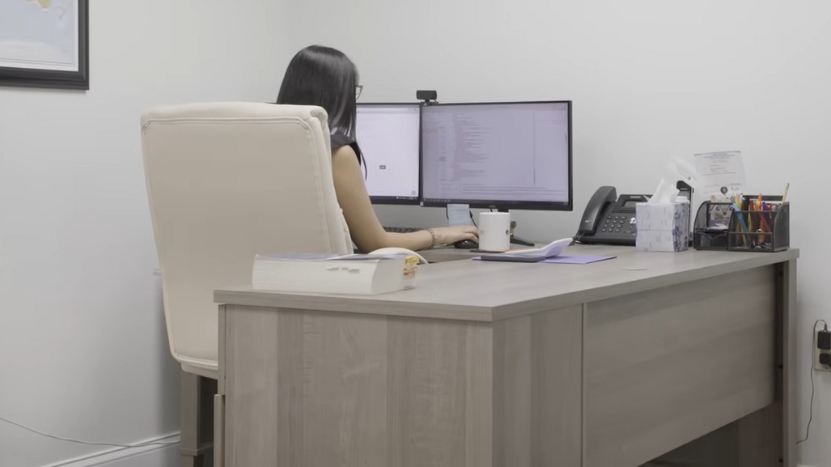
459	214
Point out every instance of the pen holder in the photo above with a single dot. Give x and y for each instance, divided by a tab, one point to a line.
719	227
712	222
759	231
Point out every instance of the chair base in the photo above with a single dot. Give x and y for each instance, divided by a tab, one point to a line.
197	400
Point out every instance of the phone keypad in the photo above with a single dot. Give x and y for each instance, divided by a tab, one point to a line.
619	223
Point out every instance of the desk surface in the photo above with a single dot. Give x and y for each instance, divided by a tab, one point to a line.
491	291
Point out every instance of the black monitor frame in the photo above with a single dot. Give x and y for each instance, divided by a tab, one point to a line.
497	204
394	200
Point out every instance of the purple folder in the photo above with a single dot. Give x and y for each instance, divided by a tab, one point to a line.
561	259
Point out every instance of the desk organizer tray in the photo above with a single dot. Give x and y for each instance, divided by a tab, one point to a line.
718	226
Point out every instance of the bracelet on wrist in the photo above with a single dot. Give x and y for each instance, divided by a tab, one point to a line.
433	238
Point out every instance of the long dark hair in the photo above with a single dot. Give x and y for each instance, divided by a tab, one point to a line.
327	78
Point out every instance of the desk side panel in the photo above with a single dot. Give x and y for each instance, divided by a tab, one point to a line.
439	390
539	389
251	426
666	367
309	388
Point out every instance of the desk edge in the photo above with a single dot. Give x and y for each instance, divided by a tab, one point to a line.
245	296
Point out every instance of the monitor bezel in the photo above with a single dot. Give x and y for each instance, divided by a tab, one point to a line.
392	200
496	204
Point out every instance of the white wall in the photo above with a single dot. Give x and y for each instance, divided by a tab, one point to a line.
83	351
649	79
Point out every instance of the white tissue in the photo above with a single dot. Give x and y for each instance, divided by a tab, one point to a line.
665	194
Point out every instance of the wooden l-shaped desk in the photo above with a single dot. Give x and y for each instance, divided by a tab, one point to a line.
519	365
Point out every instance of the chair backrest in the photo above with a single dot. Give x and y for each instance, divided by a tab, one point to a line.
225	182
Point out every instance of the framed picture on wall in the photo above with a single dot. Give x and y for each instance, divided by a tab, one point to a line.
44	43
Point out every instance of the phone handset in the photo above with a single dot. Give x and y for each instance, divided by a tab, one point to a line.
604	196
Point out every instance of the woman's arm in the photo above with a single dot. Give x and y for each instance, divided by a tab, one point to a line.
366	230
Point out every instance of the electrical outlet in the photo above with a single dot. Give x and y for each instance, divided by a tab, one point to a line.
817	352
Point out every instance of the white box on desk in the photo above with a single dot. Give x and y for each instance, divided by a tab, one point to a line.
663	226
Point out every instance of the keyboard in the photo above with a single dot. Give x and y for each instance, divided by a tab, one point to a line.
401	229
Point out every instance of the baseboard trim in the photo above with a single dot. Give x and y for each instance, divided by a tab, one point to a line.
129	457
153	455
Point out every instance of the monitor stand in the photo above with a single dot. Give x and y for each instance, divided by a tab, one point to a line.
517	240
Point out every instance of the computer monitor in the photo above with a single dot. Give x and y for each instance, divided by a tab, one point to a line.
389	136
497	155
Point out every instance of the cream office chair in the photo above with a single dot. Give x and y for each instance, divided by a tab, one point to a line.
226	181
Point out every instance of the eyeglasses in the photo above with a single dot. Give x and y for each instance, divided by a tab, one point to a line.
359	88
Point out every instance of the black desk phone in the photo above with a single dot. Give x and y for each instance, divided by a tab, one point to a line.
609	219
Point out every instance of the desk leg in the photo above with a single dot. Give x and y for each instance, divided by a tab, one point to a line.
786	359
197	399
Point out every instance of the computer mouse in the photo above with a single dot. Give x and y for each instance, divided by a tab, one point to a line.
466	245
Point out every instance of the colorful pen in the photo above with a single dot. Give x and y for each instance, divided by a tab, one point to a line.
741	220
763	218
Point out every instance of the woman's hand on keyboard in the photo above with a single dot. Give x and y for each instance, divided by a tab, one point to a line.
448	235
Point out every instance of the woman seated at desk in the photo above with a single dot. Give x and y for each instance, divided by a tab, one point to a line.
327	78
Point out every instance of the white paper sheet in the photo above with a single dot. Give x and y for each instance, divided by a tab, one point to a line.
458	214
718	170
551	250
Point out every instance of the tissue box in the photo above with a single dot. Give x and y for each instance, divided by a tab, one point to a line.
663	226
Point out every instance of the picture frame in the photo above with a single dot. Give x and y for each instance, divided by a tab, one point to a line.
44	44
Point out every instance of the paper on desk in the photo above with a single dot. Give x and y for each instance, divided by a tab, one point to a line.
561	259
554	248
717	170
567	259
458	214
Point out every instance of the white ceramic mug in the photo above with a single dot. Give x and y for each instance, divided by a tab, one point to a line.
495	231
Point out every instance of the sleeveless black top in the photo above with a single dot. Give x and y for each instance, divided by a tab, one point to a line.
340	140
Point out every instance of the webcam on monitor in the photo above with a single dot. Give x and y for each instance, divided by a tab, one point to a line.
428	97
